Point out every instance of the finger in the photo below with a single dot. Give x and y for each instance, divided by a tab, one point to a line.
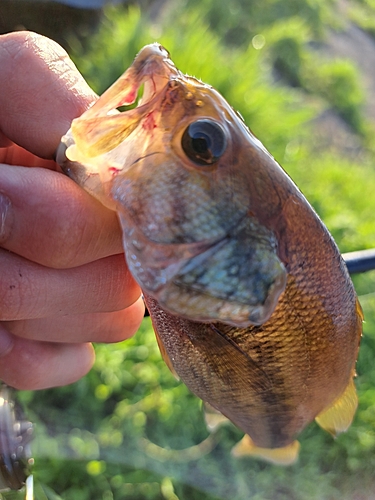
48	219
12	154
96	327
31	365
4	141
28	290
41	92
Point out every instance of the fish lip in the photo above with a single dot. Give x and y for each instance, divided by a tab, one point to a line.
155	70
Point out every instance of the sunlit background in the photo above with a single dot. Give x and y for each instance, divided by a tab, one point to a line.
302	73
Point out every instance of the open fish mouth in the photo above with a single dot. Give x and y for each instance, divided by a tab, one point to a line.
82	153
100	129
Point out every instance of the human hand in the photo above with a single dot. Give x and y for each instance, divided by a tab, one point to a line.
64	281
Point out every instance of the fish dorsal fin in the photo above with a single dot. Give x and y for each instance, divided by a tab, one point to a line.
338	417
287	455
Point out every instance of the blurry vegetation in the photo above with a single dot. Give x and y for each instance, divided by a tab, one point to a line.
361	12
129	430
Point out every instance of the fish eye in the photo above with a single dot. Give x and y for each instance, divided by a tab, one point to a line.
204	142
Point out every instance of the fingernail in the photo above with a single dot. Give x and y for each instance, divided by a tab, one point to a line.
6	341
5	216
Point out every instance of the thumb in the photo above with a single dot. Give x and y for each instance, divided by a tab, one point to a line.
41	92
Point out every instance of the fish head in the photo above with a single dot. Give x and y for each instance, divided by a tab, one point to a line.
177	168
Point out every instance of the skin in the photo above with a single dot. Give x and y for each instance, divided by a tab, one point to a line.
64	281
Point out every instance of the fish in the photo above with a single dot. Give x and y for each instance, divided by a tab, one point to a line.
251	302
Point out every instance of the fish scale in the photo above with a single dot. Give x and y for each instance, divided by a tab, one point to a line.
251	302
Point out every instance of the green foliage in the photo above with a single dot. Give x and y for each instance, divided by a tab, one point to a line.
362	13
290	30
337	81
238	21
129	429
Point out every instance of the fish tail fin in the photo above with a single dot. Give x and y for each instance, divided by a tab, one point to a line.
287	455
213	418
338	417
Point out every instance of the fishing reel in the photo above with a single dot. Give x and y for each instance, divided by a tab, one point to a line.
15	437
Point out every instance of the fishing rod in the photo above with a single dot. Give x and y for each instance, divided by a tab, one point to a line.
360	261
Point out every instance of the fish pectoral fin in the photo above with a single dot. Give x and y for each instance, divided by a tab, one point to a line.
213	418
286	455
338	417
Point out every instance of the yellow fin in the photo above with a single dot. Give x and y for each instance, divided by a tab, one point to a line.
286	455
338	417
213	418
359	309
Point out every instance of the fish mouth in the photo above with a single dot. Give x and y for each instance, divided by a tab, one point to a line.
102	127
152	67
